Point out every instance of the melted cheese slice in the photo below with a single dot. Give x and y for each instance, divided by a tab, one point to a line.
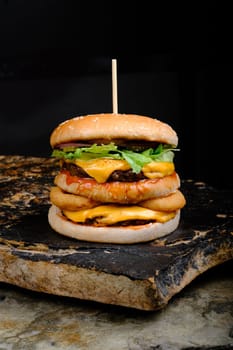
112	214
100	169
158	169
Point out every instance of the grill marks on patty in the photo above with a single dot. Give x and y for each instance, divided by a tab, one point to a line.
117	175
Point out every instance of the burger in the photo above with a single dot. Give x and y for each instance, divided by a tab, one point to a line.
117	181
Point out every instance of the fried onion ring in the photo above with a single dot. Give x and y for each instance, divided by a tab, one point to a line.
118	192
67	201
171	202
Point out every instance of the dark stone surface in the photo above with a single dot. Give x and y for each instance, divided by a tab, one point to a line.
203	239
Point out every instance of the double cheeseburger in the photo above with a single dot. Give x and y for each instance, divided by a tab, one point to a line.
117	181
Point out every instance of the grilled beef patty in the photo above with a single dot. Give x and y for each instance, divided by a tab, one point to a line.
117	175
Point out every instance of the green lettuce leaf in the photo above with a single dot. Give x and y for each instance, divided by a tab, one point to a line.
136	160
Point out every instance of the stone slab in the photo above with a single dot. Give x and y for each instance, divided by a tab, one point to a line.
142	276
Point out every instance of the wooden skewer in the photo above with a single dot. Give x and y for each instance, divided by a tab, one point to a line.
114	86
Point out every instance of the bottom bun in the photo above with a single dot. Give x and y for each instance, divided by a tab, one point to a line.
116	234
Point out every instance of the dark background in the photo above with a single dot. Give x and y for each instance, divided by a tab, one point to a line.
174	63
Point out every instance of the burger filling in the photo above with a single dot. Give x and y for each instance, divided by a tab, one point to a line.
113	214
114	163
115	175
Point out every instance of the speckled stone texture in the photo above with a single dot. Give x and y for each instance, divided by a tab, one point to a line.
199	317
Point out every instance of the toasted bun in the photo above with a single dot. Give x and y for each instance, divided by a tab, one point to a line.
120	192
111	126
120	235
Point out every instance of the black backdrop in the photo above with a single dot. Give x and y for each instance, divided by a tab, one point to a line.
174	63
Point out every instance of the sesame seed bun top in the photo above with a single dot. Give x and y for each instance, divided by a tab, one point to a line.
111	126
